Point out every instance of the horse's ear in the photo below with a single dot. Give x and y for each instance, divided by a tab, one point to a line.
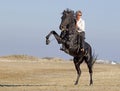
63	12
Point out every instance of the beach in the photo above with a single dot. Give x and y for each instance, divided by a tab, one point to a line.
54	74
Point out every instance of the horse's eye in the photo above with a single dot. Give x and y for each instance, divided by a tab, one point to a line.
62	17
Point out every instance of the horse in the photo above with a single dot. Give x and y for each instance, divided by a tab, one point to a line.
68	26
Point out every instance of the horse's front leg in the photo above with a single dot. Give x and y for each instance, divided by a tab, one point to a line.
47	38
47	41
59	40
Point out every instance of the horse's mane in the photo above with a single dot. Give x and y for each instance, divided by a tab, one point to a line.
68	11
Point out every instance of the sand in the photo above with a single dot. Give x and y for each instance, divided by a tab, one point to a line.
55	75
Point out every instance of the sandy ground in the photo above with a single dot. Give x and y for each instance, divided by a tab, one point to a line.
55	75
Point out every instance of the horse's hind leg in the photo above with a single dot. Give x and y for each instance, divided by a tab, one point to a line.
89	64
90	72
77	66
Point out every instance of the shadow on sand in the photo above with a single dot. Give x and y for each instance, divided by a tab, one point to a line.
28	85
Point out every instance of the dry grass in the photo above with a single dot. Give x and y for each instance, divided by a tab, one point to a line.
54	75
19	58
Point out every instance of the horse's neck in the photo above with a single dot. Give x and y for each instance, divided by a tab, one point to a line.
72	27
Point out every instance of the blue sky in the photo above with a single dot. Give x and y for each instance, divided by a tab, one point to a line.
25	23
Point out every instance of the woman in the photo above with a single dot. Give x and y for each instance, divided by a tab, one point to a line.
80	26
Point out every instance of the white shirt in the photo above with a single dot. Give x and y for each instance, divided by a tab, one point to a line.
81	25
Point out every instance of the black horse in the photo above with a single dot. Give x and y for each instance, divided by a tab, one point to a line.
69	35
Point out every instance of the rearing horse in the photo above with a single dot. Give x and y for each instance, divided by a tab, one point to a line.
68	24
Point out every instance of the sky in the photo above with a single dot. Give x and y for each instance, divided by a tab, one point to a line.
25	23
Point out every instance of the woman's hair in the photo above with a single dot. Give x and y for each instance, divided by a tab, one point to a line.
78	12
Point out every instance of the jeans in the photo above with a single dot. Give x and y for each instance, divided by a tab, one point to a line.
81	38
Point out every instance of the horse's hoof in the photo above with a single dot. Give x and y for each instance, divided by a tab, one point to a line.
47	41
75	83
90	84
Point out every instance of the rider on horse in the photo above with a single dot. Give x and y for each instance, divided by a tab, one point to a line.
72	40
80	26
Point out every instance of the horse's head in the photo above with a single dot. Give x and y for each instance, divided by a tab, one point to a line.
66	19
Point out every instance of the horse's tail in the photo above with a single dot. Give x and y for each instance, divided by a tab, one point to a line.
94	58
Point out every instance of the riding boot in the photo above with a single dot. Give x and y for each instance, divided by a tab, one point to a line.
81	41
